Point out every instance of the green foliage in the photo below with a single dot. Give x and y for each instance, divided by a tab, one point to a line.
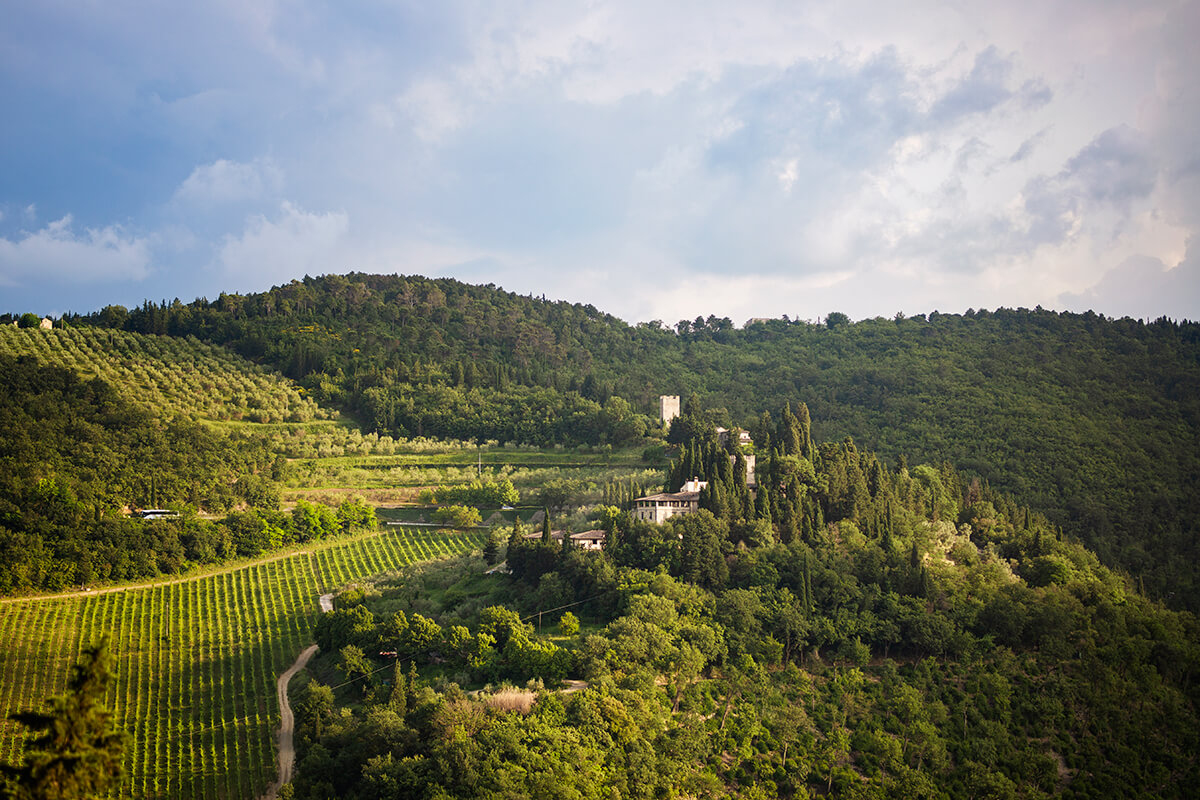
76	454
479	493
568	624
356	514
731	663
1081	416
460	517
76	753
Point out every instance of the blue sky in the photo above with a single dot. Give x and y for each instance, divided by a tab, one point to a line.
660	160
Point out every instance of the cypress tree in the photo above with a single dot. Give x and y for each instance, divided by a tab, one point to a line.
398	701
789	431
804	431
762	503
410	693
739	473
77	752
806	587
762	432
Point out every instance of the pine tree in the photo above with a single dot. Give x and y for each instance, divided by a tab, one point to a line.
77	753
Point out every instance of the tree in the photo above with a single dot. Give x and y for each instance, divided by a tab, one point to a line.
354	664
78	754
568	624
356	514
557	493
461	517
315	706
29	320
491	548
836	319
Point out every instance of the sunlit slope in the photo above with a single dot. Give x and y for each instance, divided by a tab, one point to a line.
171	377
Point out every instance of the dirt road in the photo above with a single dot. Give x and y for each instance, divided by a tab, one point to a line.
286	758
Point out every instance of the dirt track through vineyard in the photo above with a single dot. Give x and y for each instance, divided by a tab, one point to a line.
287	720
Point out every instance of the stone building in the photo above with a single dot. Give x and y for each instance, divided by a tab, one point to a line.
661	507
668	405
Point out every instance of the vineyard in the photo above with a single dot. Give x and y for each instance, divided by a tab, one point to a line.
196	659
169	376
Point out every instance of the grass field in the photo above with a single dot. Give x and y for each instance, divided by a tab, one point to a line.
196	659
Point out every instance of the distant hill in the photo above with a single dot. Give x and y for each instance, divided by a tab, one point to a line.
1093	421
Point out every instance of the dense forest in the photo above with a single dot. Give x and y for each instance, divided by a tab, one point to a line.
1092	421
869	632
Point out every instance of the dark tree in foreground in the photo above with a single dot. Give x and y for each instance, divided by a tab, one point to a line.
76	753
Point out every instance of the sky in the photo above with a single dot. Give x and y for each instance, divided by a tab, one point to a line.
659	160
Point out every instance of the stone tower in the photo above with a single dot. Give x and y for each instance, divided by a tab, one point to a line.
669	407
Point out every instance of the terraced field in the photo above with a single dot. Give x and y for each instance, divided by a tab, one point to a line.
196	658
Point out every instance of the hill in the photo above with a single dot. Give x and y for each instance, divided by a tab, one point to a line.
1093	421
873	649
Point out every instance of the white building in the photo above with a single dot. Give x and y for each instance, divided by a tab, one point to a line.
588	540
661	507
743	436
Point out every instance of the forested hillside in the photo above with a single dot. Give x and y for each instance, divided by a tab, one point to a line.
1092	421
868	632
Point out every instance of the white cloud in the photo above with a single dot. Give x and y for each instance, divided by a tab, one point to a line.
292	245
925	154
58	253
226	182
1144	287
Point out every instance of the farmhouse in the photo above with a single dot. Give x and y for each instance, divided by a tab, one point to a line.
743	437
661	507
588	540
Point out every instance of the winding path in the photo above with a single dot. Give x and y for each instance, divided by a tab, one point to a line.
287	720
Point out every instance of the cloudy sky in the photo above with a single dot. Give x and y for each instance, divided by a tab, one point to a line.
660	160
